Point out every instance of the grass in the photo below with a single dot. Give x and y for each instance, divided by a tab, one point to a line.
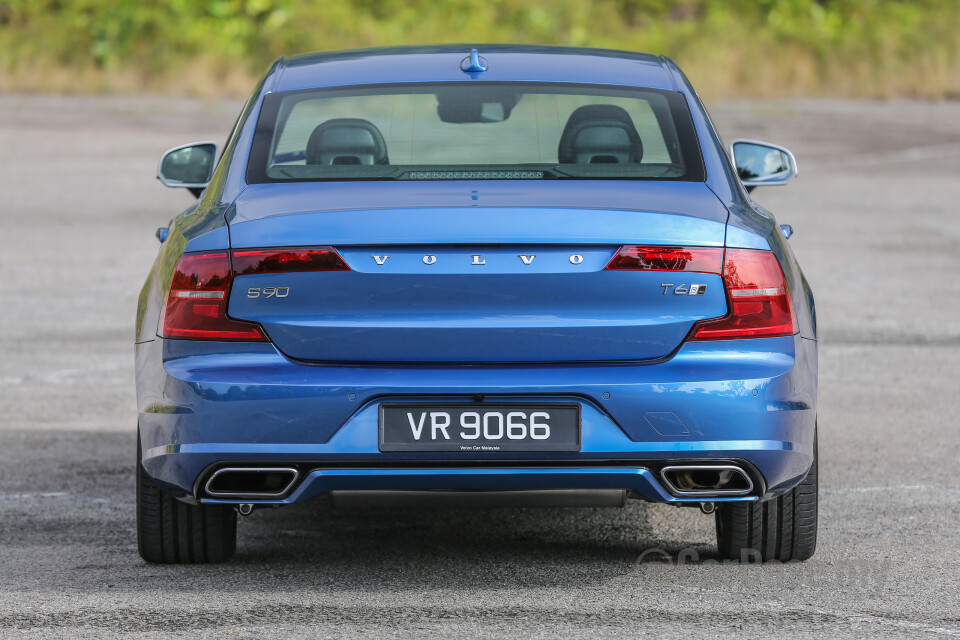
783	48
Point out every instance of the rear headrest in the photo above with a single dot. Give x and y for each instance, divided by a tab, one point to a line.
600	133
346	141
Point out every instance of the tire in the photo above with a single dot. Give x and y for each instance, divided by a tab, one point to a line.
170	531
783	528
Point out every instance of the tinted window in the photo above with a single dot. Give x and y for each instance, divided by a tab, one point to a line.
474	131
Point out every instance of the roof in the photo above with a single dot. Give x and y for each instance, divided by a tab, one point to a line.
441	63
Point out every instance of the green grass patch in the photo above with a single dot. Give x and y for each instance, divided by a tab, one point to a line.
864	48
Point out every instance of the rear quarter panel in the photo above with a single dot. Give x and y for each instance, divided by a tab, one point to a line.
749	225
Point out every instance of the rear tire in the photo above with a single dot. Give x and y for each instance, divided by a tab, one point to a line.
170	531
783	529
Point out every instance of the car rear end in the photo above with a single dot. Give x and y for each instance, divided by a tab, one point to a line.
542	334
453	366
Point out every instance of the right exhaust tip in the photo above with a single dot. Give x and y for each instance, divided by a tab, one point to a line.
706	480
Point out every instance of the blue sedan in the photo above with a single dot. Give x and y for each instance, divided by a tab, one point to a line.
495	276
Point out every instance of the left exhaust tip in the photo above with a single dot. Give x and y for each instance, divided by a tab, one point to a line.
251	482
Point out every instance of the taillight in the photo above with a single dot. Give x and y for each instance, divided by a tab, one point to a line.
700	259
759	299
196	306
249	261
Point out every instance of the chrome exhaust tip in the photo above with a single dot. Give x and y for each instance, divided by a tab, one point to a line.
251	482
706	480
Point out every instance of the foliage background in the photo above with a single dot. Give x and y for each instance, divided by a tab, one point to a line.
871	48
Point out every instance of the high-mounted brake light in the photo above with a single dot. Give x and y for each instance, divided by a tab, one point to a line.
760	305
196	307
697	259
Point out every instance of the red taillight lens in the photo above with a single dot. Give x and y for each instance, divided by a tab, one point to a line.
196	306
759	300
249	261
701	259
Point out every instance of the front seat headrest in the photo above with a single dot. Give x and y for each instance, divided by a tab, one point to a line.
346	141
600	133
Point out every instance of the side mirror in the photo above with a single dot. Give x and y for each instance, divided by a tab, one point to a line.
761	164
190	166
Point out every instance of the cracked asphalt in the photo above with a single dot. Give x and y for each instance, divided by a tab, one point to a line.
877	224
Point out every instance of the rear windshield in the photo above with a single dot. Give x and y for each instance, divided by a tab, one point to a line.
474	131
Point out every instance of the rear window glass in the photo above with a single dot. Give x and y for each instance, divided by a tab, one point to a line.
474	131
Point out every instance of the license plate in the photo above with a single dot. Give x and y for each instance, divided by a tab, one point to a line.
473	428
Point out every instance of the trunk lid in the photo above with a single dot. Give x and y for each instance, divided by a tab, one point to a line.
436	279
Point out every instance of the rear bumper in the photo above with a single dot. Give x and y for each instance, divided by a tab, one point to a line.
205	405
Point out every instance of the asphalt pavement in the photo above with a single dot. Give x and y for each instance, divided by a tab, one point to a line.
877	223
